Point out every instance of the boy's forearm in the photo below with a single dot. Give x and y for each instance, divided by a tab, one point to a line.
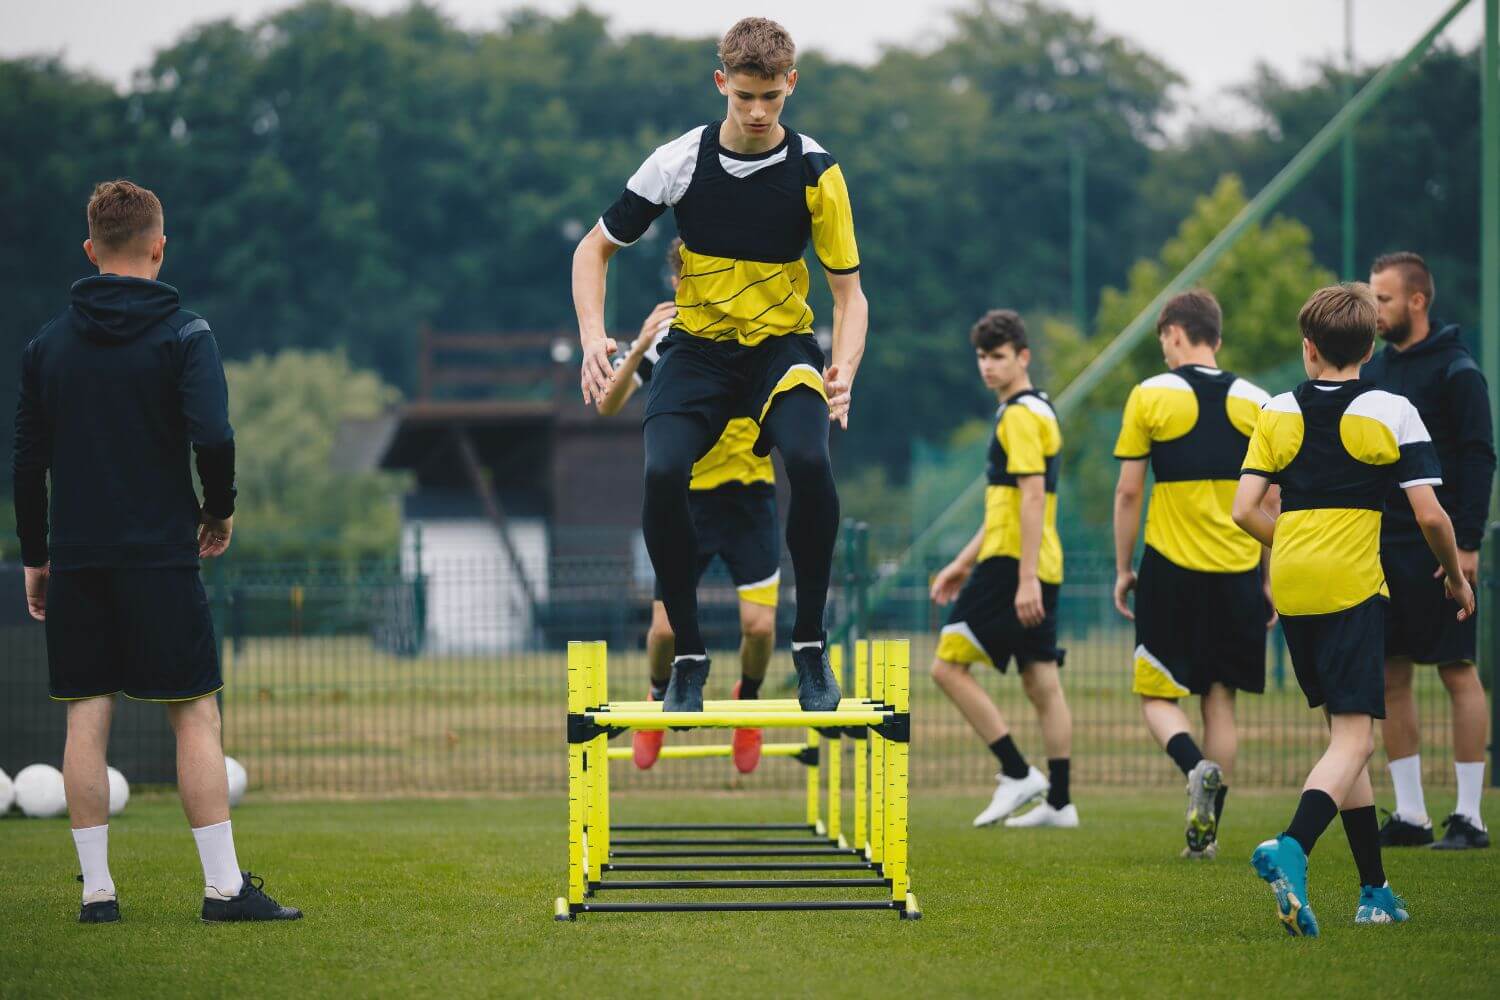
851	324
1127	529
590	268
969	554
1438	531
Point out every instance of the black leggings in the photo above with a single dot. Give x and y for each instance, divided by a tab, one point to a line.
797	426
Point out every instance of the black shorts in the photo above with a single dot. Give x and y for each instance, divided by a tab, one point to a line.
1422	621
737	522
983	627
1339	658
145	632
720	380
1194	629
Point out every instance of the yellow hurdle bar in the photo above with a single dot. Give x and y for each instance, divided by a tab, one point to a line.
835	758
896	655
732	705
579	654
734	720
877	765
815	742
599	772
711	750
861	838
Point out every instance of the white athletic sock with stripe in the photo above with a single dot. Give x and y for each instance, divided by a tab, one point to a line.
1470	787
1406	776
221	869
93	859
807	645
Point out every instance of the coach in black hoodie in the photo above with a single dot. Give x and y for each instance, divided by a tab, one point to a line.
1428	364
114	392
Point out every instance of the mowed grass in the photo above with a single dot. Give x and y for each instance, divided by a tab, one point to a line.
455	898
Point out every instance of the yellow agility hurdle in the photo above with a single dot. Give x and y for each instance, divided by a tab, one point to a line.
876	721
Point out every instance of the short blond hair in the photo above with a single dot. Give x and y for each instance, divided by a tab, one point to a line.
120	213
758	46
1340	321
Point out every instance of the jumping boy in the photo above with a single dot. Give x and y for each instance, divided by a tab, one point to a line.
1336	445
1010	573
748	194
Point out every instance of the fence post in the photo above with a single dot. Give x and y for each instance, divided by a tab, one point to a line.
418	594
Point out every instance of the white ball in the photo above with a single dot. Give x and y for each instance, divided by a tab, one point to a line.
39	791
237	780
7	793
119	792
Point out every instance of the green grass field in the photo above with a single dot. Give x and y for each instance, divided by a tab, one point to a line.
455	897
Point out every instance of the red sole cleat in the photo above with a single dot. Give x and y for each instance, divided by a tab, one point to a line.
645	745
745	744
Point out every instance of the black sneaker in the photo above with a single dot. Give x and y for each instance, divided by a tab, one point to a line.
1397	832
817	689
251	904
103	911
1461	835
685	689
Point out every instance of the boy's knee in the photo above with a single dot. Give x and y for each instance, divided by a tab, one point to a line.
200	713
1460	677
759	627
666	472
659	632
1398	675
943	671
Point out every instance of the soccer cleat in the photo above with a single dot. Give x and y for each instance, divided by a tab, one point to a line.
1044	814
1011	794
1204	782
104	908
1398	832
1283	866
745	744
817	688
645	744
685	689
251	904
1208	853
1380	906
1461	834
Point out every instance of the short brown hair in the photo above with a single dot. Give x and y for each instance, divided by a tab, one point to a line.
1414	272
1199	315
1340	321
997	328
120	213
758	46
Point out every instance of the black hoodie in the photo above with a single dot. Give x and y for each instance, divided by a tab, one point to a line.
113	392
1444	383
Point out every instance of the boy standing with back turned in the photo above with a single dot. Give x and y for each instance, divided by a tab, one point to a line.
1336	445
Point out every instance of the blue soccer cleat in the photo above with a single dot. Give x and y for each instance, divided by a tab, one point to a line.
1380	906
1283	866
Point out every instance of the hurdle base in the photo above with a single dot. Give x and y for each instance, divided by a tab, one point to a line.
911	911
740	906
561	910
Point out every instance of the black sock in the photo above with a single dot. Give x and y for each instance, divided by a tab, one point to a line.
674	441
1057	773
1219	802
1315	810
1184	752
1363	831
798	428
659	688
750	686
1012	764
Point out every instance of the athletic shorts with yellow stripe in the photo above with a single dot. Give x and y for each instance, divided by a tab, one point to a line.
1200	609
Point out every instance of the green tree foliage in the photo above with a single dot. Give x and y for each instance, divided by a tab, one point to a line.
292	504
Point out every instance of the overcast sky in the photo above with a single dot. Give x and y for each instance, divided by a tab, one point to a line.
1214	44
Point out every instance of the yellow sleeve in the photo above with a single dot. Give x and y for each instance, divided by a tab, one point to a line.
833	222
1261	455
1020	434
1135	437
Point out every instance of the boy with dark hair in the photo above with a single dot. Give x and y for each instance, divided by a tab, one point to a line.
748	193
1201	606
1337	445
732	496
114	391
1009	575
1426	361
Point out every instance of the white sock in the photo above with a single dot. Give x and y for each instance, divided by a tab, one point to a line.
688	656
807	645
93	858
221	869
1406	775
1470	786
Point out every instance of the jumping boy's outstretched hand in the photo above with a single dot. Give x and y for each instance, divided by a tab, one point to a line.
597	372
839	394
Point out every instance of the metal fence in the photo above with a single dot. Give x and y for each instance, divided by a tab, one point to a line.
443	676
